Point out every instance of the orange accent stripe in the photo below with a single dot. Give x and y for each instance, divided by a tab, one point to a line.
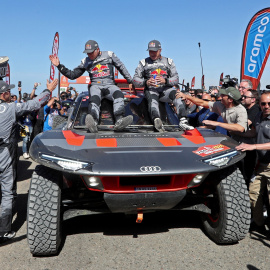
195	139
106	142
73	138
169	141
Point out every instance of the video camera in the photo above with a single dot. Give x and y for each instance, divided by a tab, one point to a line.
268	86
228	81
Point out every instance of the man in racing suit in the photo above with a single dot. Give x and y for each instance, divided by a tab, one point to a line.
159	77
8	149
99	65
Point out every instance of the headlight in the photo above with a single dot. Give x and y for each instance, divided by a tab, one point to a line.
221	160
66	163
197	179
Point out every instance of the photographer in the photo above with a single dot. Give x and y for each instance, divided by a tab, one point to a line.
52	109
69	95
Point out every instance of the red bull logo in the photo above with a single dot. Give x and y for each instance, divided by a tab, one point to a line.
159	72
100	71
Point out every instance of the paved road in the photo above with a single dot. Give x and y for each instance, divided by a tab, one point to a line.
167	240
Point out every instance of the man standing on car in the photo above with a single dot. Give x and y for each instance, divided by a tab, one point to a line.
8	149
99	65
158	75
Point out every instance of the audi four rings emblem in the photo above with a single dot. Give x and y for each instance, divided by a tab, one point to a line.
150	169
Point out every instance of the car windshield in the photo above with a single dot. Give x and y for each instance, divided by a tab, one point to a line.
137	107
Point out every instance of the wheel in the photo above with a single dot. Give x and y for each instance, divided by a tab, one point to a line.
44	212
227	197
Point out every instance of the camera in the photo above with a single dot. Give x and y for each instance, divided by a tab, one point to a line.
268	86
229	82
19	84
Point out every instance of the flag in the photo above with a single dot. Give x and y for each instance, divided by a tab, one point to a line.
221	79
193	82
256	47
54	52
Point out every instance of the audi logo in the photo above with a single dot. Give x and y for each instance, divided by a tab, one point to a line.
150	169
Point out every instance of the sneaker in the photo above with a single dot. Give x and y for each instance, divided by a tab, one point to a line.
158	125
7	236
123	122
91	123
25	155
183	124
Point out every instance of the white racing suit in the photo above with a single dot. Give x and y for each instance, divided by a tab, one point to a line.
164	67
101	73
9	112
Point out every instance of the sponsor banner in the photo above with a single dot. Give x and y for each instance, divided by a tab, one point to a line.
221	79
256	47
210	150
7	78
193	82
54	52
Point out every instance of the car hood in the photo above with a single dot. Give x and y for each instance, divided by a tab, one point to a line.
123	153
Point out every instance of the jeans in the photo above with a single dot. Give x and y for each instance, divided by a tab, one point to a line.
25	147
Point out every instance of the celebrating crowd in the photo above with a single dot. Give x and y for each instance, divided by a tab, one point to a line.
235	110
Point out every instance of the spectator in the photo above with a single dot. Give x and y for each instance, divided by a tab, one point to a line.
14	98
189	105
233	113
197	118
100	68
52	109
8	150
244	86
158	75
261	181
69	94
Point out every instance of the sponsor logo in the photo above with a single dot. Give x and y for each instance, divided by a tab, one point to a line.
152	45
145	188
158	71
210	150
100	71
88	47
150	169
256	47
2	108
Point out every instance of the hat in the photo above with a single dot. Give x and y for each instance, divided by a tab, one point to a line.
90	46
231	92
4	87
154	45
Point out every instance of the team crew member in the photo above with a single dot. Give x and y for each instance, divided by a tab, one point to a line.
99	65
8	149
233	113
258	185
158	75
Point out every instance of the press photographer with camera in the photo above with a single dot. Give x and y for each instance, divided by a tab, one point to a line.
52	109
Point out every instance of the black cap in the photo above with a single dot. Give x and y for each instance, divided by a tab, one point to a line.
154	45
90	46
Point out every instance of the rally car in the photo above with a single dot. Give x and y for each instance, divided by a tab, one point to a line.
134	171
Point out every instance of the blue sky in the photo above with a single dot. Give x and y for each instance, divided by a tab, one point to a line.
126	27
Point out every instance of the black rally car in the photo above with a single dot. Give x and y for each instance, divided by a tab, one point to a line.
134	171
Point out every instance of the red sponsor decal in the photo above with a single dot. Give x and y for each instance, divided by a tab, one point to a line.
101	74
159	72
210	150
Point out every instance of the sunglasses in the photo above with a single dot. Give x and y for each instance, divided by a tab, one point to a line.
63	96
246	97
264	103
206	99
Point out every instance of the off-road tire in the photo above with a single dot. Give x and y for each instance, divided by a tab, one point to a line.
44	212
59	121
230	218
